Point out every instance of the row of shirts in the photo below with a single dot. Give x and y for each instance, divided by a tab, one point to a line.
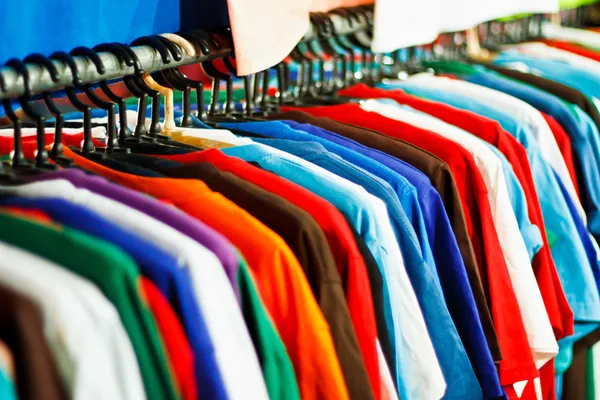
435	240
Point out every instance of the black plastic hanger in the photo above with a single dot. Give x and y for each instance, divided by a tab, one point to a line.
123	57
41	158
141	142
112	144
166	57
56	151
138	88
18	161
87	149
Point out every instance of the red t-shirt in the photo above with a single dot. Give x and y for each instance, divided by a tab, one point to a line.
573	48
339	236
557	306
178	348
517	361
564	144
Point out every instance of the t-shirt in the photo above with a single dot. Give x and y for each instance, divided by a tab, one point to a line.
29	143
275	361
516	364
22	329
572	48
308	243
578	380
115	273
178	348
564	144
278	273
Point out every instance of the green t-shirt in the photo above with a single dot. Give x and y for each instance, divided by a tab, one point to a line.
276	365
116	275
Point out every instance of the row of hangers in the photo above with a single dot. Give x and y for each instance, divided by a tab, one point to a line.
348	55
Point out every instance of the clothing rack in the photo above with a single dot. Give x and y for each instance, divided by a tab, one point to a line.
40	80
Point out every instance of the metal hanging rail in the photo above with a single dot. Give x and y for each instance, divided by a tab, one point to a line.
40	80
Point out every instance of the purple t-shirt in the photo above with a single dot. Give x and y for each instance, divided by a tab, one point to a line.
191	227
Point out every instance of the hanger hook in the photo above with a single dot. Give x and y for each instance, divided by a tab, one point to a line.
83	51
70	63
156	44
37	58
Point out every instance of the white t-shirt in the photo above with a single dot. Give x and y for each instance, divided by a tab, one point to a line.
399	24
94	354
579	36
235	354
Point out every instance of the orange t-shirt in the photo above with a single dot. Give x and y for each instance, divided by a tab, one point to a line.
281	281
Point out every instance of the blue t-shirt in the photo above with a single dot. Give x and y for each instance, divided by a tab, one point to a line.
458	372
449	263
580	128
161	268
